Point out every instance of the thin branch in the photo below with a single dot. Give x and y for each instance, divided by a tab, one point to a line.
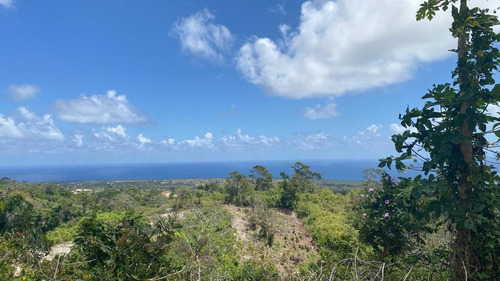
167	276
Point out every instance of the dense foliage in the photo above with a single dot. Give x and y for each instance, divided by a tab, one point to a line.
449	136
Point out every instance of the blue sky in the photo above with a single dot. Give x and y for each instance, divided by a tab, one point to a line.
178	81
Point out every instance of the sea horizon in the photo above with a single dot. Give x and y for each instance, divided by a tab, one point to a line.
338	169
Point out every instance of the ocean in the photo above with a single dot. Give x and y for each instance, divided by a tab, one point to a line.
329	169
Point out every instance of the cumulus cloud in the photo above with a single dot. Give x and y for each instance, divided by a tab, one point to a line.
168	141
315	141
9	129
399	129
98	109
114	139
142	139
374	129
200	36
197	142
493	110
119	130
9	4
25	124
367	138
38	126
22	92
240	140
328	111
347	46
113	134
396	128
236	141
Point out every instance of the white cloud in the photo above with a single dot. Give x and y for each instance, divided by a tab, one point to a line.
22	92
240	140
396	128
142	139
236	141
78	140
202	37
347	46
328	111
25	124
99	109
313	141
119	130
197	142
374	129
368	138
169	141
113	134
279	8
7	3
493	110
9	129
116	139
399	129
39	126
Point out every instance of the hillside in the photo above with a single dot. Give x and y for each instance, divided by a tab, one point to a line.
292	247
239	228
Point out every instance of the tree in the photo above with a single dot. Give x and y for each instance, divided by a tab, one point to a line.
17	214
239	189
21	242
304	177
184	195
302	180
261	177
199	193
211	187
449	137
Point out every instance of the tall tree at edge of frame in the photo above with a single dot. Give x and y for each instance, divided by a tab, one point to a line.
451	138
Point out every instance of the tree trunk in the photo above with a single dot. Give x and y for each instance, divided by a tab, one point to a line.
466	149
464	260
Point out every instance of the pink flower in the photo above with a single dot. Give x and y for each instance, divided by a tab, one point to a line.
364	214
370	190
120	224
386	215
387	202
362	195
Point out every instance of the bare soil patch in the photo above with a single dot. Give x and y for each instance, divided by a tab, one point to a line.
292	247
59	250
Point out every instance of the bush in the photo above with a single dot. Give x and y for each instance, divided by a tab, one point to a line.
61	234
329	224
390	217
131	249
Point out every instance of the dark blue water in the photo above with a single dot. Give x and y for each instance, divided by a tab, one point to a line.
329	169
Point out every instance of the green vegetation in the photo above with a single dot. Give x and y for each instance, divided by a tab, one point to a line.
449	140
245	228
442	225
